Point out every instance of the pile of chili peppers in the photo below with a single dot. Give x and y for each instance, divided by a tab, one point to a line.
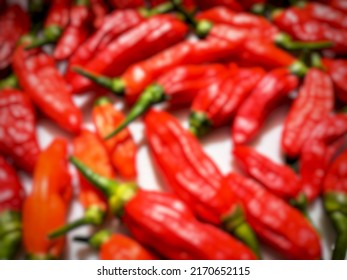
228	63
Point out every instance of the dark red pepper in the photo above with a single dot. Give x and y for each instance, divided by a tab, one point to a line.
100	10
58	14
127	4
230	4
18	129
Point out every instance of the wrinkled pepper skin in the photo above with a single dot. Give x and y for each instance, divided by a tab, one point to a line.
182	236
58	14
192	175
313	160
14	23
18	129
11	201
278	179
335	201
146	39
314	102
39	77
75	32
47	205
272	89
121	148
217	103
337	69
278	224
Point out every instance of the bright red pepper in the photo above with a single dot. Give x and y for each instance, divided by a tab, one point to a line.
146	39
127	4
335	201
182	236
230	4
272	89
47	205
337	69
39	77
11	200
14	22
194	177
278	179
18	129
282	227
121	148
217	103
314	102
76	31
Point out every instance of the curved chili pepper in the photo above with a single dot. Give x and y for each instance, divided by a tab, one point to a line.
11	200
272	89
215	105
121	148
278	224
46	87
76	31
14	22
91	151
193	176
117	247
335	202
127	4
230	4
100	10
18	129
47	205
314	102
278	179
181	236
153	35
337	69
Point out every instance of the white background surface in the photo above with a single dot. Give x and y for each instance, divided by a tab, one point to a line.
217	144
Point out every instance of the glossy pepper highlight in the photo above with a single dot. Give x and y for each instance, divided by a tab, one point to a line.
182	236
11	201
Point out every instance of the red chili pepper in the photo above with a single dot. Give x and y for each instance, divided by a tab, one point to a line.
335	201
215	105
117	247
14	22
39	77
313	160
338	4
314	102
278	179
269	93
58	14
230	4
188	4
182	236
278	224
337	69
100	11
11	200
121	148
18	129
47	205
76	31
127	4
152	36
194	177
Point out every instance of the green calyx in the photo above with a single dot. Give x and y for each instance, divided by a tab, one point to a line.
94	215
152	95
235	223
335	202
97	239
9	82
51	35
199	124
203	28
101	101
10	234
285	41
82	3
258	9
300	203
115	85
298	68
160	9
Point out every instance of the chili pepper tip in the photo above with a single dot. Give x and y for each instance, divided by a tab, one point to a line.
199	124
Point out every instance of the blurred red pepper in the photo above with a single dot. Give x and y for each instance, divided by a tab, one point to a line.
278	179
47	205
76	31
194	177
127	4
117	247
11	200
100	10
216	104
58	14
282	227
121	148
146	39
39	77
272	89
18	129
14	22
314	102
335	202
230	4
182	236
